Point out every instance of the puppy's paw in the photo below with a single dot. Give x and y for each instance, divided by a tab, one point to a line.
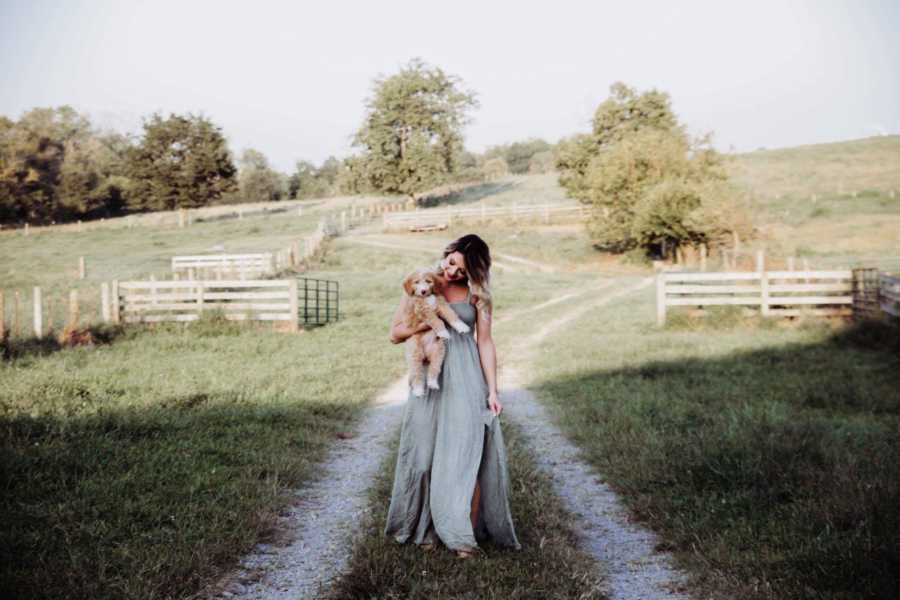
418	390
444	334
460	327
433	384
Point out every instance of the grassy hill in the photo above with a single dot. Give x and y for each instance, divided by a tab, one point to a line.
862	166
837	204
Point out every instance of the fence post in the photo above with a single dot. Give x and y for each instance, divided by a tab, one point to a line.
114	296
661	298
104	301
73	309
38	314
294	305
199	298
763	283
2	318
82	268
16	329
703	252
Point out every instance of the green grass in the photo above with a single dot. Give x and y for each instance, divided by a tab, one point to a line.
145	467
767	457
50	260
549	566
835	169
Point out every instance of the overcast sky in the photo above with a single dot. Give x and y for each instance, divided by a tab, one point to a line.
290	78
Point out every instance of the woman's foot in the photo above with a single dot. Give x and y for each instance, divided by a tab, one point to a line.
465	554
427	547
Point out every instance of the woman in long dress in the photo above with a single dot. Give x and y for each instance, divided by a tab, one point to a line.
451	482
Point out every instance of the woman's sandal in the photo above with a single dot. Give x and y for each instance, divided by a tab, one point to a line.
464	554
428	547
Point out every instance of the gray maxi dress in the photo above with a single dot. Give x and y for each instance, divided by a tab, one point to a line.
450	438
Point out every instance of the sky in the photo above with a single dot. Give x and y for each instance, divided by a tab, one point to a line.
291	79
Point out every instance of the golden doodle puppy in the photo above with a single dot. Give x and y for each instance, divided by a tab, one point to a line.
427	347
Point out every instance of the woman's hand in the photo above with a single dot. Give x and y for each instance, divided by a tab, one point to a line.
494	403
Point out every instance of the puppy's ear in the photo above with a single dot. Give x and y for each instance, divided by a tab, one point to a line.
408	284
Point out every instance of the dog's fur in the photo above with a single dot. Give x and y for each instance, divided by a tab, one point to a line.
424	306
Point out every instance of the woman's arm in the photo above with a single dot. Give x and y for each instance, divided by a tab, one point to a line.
399	331
488	353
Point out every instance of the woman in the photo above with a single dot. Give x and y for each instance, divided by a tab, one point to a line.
451	482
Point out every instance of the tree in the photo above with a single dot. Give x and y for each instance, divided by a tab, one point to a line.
54	166
181	162
518	155
411	136
624	113
650	185
257	182
494	168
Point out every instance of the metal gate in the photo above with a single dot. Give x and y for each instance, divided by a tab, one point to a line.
319	300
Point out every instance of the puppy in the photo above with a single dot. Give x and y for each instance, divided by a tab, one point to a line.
424	306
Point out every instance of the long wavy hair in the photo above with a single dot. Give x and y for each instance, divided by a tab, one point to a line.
477	256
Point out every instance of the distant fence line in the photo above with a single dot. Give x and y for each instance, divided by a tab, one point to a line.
857	292
439	216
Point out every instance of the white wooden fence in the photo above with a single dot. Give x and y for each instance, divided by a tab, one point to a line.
437	216
236	265
775	293
157	301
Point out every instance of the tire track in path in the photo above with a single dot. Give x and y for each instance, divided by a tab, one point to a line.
632	568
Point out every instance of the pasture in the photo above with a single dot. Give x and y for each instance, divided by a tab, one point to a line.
763	452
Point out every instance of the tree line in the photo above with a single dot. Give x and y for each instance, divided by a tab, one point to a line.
55	166
651	187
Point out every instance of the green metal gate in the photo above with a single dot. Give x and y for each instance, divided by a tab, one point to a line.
319	300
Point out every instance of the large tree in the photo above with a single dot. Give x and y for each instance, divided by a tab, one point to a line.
181	162
650	185
412	133
54	166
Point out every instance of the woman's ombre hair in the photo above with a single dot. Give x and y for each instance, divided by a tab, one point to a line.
477	256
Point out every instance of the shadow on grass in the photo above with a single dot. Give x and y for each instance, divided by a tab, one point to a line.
148	502
17	348
771	474
466	195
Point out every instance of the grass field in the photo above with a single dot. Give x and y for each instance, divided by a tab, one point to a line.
766	456
837	204
146	467
50	260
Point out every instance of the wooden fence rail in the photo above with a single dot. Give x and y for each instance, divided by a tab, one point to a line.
483	212
775	293
239	300
240	265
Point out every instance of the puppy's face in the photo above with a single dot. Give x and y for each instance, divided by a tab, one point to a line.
419	283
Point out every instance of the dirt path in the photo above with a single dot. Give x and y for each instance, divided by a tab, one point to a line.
318	532
626	552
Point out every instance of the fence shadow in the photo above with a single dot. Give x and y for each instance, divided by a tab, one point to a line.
467	195
781	466
93	335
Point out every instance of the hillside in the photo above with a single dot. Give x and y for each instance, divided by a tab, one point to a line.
870	164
